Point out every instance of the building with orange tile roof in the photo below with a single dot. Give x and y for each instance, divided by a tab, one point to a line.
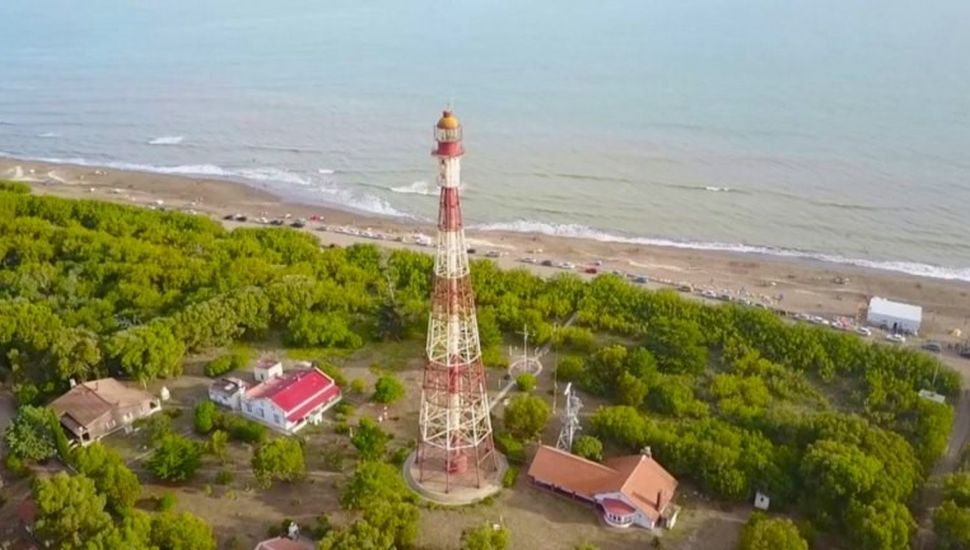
628	490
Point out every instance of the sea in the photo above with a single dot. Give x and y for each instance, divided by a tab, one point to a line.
835	130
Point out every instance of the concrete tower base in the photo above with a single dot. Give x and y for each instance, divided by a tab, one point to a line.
462	490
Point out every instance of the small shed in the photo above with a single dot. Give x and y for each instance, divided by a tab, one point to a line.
761	501
894	316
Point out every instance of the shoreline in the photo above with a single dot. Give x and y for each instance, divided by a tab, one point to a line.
803	283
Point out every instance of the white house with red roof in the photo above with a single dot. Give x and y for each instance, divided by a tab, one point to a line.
628	490
284	401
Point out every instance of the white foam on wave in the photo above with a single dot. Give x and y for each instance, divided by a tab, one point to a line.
337	196
420	187
166	140
717	189
49	135
584	232
325	171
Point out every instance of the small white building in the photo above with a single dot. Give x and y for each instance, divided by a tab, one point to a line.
896	317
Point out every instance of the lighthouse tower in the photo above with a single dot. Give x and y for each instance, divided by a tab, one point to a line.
455	448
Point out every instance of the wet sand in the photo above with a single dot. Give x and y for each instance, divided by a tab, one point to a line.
801	285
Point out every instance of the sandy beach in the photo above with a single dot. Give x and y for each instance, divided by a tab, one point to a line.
814	287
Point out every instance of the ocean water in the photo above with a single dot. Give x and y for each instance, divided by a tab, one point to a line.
831	129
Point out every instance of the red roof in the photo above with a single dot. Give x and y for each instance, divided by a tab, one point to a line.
639	478
322	398
298	393
617	507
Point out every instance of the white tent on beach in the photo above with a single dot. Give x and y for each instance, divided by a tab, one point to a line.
894	316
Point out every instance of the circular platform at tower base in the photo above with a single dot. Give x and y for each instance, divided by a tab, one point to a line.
458	492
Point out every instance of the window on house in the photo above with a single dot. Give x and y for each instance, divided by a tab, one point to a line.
276	418
249	407
261	415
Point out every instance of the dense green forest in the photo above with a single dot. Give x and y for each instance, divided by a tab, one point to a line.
731	399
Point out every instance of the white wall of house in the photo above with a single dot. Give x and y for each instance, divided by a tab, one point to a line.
265	411
232	401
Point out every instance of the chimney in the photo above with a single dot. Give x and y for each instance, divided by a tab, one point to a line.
647	452
660	495
73	382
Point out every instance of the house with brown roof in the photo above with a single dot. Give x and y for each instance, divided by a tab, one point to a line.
94	409
628	490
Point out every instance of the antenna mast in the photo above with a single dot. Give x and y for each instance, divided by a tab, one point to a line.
570	422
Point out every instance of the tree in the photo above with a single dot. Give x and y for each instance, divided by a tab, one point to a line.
204	417
526	415
839	471
30	436
322	329
175	458
281	459
764	533
952	526
525	382
134	530
69	510
677	345
384	526
588	447
369	439
388	389
184	531
374	483
112	478
956	487
882	525
485	537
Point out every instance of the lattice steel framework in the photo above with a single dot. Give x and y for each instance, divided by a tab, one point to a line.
456	430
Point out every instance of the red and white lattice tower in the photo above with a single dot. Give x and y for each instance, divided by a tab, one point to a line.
456	431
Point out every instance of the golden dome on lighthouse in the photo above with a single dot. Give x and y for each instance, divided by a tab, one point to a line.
448	121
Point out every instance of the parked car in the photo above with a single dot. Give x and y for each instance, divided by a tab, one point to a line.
709	294
492	254
591	270
863	331
471	251
640	279
547	263
896	338
933	346
298	223
229	217
241	217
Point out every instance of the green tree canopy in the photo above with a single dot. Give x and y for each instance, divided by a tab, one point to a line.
526	415
280	459
171	531
485	537
369	439
764	533
175	458
69	510
388	389
589	447
30	435
112	478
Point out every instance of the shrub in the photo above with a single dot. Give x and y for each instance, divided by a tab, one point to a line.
204	417
511	447
526	415
166	502
226	363
343	408
388	389
525	381
14	187
225	477
510	476
357	386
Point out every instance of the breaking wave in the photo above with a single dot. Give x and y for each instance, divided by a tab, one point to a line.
584	232
166	140
420	187
293	183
